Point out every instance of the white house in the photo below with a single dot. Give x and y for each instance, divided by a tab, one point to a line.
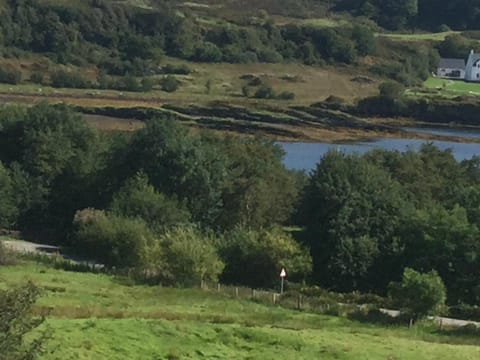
451	68
456	68
472	72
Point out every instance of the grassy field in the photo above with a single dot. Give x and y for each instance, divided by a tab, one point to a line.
101	317
439	36
452	87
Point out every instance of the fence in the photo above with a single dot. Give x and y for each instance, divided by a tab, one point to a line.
291	300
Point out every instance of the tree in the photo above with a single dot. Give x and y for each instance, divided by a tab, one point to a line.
254	258
391	89
17	321
353	211
190	256
111	240
419	295
8	204
170	83
138	199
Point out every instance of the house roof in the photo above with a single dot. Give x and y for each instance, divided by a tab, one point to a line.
452	63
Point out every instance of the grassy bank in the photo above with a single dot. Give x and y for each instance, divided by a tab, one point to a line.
97	316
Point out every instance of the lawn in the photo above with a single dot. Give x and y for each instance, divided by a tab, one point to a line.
453	87
95	316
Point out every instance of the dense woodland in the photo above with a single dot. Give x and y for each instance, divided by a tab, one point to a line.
176	206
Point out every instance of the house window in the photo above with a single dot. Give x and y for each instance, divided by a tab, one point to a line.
478	76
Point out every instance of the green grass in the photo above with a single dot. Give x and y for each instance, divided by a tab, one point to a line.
440	36
453	87
100	317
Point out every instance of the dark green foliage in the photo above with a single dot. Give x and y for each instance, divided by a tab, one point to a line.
17	321
419	295
353	211
10	76
67	79
255	258
111	240
391	90
8	205
37	77
175	69
170	83
138	199
456	46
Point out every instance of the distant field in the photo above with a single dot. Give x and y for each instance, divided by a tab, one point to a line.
102	317
420	36
456	87
309	84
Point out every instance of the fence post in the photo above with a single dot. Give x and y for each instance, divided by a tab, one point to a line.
218	287
299	301
253	293
274	298
236	292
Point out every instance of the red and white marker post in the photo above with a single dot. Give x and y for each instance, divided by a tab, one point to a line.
283	275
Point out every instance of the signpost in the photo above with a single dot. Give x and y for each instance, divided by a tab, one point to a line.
283	275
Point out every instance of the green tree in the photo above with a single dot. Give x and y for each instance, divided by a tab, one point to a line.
254	258
8	204
190	256
419	295
138	199
17	321
111	240
353	212
391	89
170	83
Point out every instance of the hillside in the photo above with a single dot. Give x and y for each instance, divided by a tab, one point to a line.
93	316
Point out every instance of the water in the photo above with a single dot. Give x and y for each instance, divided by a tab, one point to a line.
460	132
304	156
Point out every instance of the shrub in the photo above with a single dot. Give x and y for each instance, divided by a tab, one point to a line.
112	240
67	79
264	92
147	84
138	199
184	256
17	321
419	295
170	83
391	89
37	77
254	258
208	52
175	69
10	76
286	95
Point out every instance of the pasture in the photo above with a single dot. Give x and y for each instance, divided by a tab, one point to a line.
96	316
452	87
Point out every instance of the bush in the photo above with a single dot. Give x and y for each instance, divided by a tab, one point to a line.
112	240
254	258
147	84
67	79
286	95
264	92
175	69
17	321
391	89
419	295
170	83
10	76
138	199
184	256
37	78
